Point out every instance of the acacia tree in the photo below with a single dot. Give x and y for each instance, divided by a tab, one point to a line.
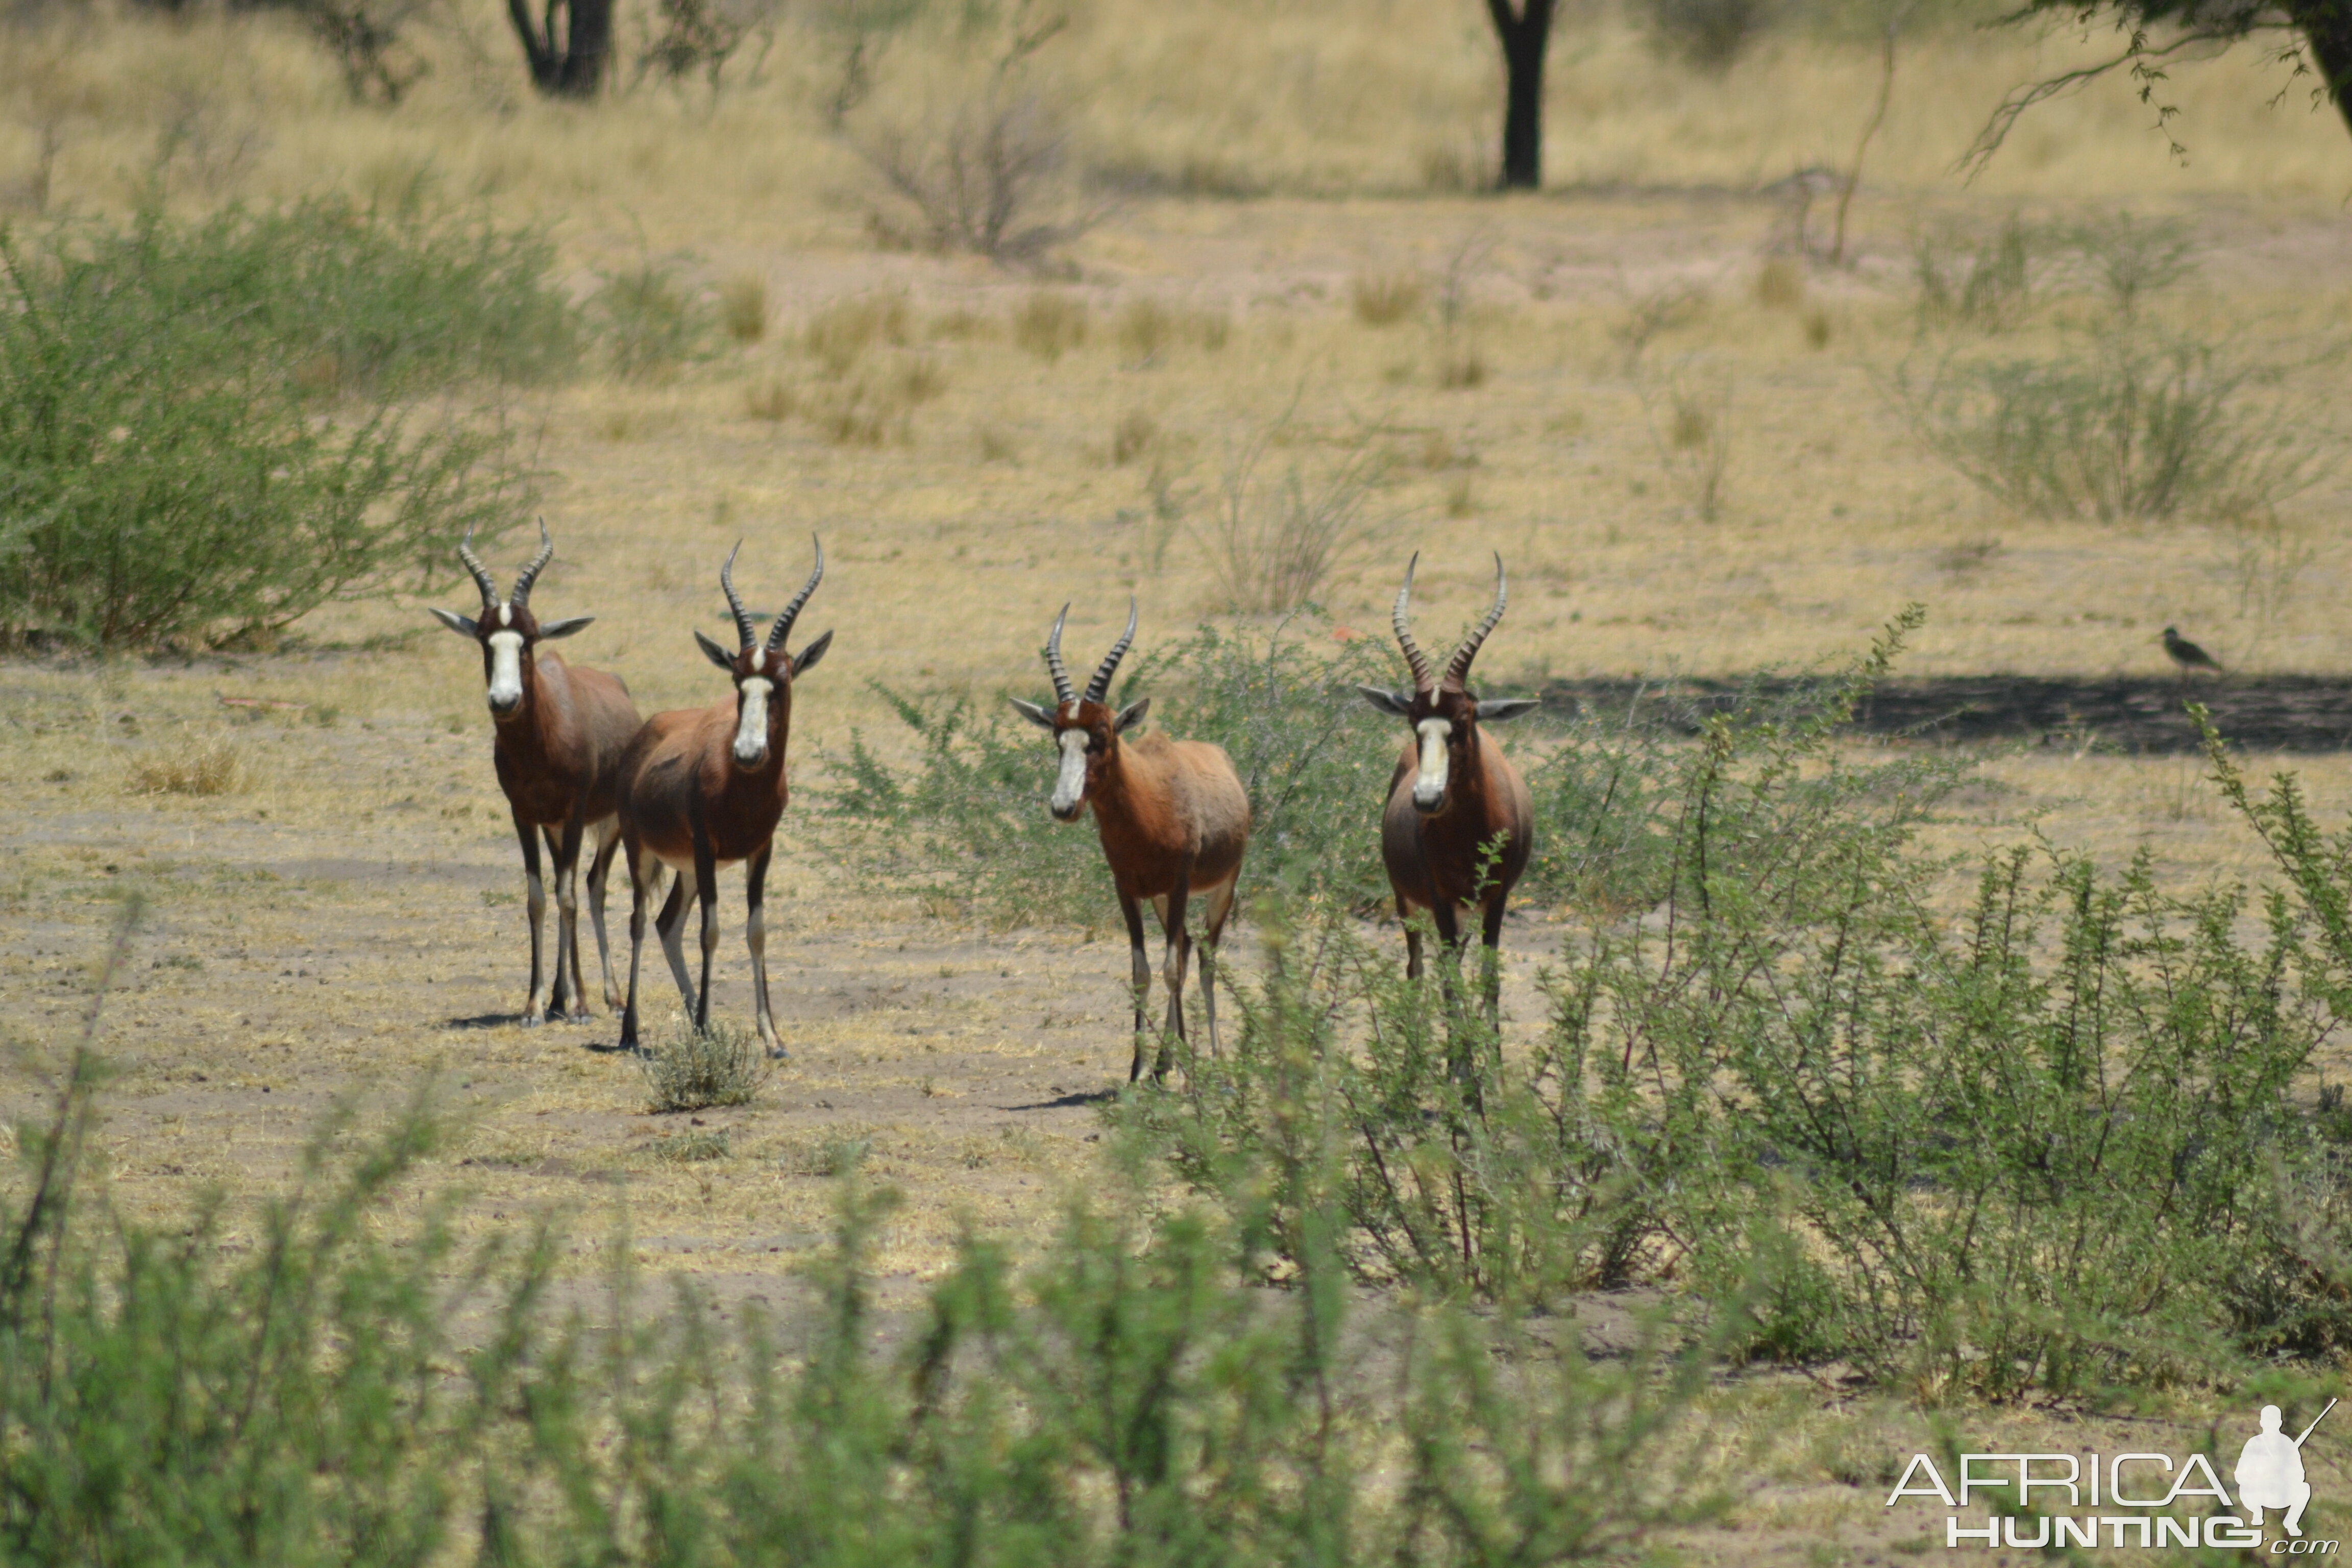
567	47
1525	33
2314	36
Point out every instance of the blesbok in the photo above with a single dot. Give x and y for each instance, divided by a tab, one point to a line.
1455	795
559	731
1173	820
704	787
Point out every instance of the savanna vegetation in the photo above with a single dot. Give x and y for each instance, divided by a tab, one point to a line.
1844	1099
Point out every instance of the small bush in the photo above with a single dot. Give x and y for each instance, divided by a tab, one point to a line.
693	1148
743	307
1145	327
1050	323
990	175
207	767
1690	423
2132	424
203	431
686	1069
1271	541
1982	282
651	322
1384	299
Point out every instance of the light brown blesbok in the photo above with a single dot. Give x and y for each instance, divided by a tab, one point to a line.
704	787
1173	819
1459	825
559	732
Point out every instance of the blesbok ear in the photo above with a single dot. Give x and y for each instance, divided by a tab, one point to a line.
715	654
805	660
1131	714
1387	701
563	629
1494	709
1041	717
456	623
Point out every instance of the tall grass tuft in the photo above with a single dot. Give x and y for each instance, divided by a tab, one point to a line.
1273	539
216	765
651	320
688	1069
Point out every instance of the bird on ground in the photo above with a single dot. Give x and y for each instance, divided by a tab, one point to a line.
2187	654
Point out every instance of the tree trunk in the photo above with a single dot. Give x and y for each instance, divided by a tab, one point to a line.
2326	26
570	65
1523	37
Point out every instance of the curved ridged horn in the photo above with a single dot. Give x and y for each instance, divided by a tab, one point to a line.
520	597
747	636
1398	617
1065	690
1458	669
481	572
1100	687
776	633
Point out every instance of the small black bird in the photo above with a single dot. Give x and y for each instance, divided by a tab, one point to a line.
2187	654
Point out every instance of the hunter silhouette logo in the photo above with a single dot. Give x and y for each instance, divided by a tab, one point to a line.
2145	1499
2270	1471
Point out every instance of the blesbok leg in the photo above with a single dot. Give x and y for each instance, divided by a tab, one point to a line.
645	871
608	839
755	938
535	901
1220	904
1173	911
706	877
571	995
1140	983
670	926
1412	940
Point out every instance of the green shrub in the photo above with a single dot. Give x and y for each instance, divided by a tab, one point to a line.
2133	422
2067	1139
344	1386
200	432
966	821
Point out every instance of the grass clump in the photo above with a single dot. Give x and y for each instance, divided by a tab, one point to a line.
216	765
208	428
651	321
838	336
694	1148
1049	323
1384	299
743	307
693	1069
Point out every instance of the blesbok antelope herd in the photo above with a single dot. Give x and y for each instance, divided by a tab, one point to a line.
697	789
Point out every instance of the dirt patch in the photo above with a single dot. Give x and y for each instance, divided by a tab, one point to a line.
2118	713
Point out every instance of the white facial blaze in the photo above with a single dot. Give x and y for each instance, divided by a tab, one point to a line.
1070	783
506	669
751	731
1429	788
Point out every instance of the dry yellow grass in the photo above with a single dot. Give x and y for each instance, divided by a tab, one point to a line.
976	447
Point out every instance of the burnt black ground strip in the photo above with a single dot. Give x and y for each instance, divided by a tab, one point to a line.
2119	713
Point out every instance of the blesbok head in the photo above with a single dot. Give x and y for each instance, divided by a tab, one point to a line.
762	671
1084	729
1443	710
507	629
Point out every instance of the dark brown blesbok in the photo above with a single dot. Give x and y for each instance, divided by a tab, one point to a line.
1173	819
559	731
1459	823
704	787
